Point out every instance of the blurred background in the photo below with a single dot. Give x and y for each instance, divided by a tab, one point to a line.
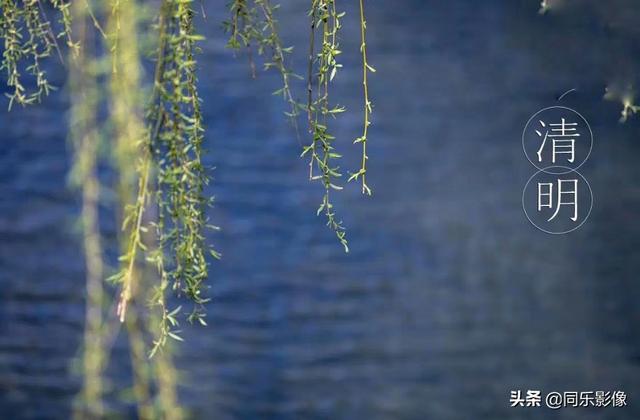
449	298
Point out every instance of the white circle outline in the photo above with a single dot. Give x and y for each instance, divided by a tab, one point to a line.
564	173
524	131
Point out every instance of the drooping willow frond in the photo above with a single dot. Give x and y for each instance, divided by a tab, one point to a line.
321	150
132	151
366	68
169	171
176	129
243	28
28	41
85	140
253	24
247	28
134	160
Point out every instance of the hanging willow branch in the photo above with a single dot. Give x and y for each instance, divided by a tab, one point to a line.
366	68
28	40
176	141
84	140
247	28
253	23
131	150
243	28
321	150
272	41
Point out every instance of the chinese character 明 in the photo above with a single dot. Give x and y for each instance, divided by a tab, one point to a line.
546	197
562	136
516	399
